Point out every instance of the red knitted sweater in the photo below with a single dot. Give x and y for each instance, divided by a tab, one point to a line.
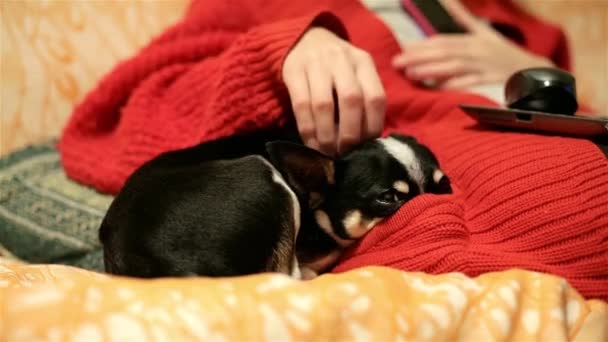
521	200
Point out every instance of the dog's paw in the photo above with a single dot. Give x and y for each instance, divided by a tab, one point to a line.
308	273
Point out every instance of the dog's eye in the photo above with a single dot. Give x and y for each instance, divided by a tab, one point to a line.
389	196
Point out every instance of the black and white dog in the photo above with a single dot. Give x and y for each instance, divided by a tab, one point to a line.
259	203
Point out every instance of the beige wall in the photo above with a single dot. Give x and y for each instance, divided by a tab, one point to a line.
52	52
586	25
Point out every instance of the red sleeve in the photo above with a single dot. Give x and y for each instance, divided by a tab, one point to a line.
191	84
528	31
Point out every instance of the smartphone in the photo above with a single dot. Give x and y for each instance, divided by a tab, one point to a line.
569	125
431	16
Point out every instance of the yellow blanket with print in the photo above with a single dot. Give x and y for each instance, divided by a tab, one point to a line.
60	303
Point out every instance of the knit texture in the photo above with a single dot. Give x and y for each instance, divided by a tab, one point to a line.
520	201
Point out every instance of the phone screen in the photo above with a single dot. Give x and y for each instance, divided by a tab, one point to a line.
433	14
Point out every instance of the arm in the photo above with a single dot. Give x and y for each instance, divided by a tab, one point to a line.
200	80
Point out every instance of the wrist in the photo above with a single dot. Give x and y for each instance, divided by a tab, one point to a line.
545	62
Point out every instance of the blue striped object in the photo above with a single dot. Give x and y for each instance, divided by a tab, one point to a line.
44	216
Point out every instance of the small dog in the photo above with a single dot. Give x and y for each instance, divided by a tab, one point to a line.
259	203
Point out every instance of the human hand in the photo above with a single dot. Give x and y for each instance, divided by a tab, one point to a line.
458	61
320	64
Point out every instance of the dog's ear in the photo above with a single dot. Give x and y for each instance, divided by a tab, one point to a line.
439	183
305	169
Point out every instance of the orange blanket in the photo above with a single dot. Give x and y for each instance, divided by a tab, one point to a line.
59	303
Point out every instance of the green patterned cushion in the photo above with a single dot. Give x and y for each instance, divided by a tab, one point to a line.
44	216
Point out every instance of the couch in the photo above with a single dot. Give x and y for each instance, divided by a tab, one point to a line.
52	285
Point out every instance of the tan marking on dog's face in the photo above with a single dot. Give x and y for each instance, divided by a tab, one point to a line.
325	223
373	222
437	175
402	187
352	223
356	225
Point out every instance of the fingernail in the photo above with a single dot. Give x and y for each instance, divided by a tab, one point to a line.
312	143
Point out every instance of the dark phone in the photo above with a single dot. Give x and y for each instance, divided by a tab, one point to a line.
569	125
432	17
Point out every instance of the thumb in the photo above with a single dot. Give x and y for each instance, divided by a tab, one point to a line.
463	16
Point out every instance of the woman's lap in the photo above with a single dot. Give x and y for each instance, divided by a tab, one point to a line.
520	200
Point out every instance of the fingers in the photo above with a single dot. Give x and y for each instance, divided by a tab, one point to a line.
441	58
374	97
350	101
321	87
439	70
317	66
360	95
462	82
472	79
460	61
414	56
437	48
296	81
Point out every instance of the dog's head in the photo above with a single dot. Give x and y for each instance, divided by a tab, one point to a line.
350	195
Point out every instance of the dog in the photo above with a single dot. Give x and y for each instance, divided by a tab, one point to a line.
260	202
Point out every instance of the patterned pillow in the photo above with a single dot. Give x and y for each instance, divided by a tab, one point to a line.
44	216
